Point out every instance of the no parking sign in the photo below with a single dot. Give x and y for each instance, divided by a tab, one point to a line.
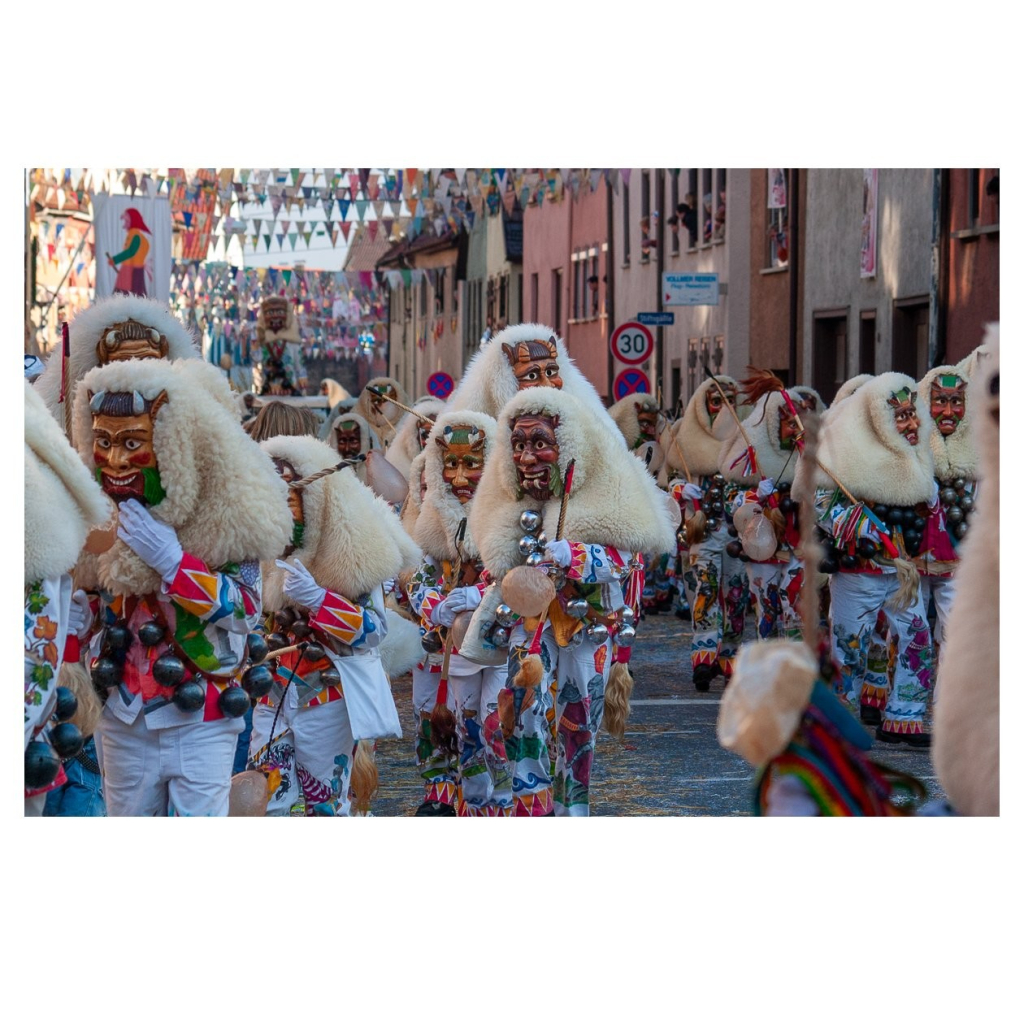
631	382
440	385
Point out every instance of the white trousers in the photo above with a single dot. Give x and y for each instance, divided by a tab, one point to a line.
184	770
313	748
942	589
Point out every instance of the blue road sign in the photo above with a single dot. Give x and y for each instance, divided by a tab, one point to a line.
655	319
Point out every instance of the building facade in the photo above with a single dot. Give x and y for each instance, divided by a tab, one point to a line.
684	221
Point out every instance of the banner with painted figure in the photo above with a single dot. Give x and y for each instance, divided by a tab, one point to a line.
133	246
869	225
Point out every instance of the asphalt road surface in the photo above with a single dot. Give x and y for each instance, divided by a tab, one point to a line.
670	762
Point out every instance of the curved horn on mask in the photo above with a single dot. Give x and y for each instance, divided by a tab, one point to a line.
96	401
138	403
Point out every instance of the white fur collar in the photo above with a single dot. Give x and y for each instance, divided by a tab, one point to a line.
762	427
223	495
614	501
860	444
352	540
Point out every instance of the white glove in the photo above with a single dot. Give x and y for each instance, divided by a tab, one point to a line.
300	585
154	542
461	599
80	614
765	488
389	587
692	491
560	552
933	501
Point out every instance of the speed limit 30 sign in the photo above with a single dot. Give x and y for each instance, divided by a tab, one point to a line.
632	343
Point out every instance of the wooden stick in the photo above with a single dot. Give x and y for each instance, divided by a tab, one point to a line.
394	401
449	640
65	389
565	499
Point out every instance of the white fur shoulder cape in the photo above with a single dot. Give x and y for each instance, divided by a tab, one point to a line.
441	512
859	443
614	500
63	501
223	496
352	541
700	440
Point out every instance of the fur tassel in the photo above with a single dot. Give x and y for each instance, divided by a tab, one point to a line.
442	729
365	777
909	580
759	384
531	671
696	528
616	700
75	676
778	520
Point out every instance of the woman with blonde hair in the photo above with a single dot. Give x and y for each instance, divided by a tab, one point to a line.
276	419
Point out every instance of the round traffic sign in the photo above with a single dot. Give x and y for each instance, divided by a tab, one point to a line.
631	382
632	343
440	384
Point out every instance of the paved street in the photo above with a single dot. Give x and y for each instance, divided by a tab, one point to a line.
670	763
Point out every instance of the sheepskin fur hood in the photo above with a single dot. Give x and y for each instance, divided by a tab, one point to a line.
860	444
614	500
488	383
405	447
966	745
384	422
352	541
850	387
411	508
441	512
975	361
85	331
954	455
762	427
335	392
63	501
290	331
223	495
625	412
805	391
693	432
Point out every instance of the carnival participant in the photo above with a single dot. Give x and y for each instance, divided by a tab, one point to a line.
325	594
333	392
411	434
112	330
767	533
715	582
966	754
520	357
875	444
63	505
179	589
594	519
472	777
375	407
808	399
350	435
280	370
956	473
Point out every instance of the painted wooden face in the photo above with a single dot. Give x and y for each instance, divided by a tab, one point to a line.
648	421
535	454
948	402
423	431
535	364
348	438
713	400
462	459
275	315
288	473
905	414
124	454
789	428
130	339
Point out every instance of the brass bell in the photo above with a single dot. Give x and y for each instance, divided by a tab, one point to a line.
625	635
577	607
542	539
627	615
500	635
597	632
534	558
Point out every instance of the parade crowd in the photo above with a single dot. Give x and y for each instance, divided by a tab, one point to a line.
219	589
